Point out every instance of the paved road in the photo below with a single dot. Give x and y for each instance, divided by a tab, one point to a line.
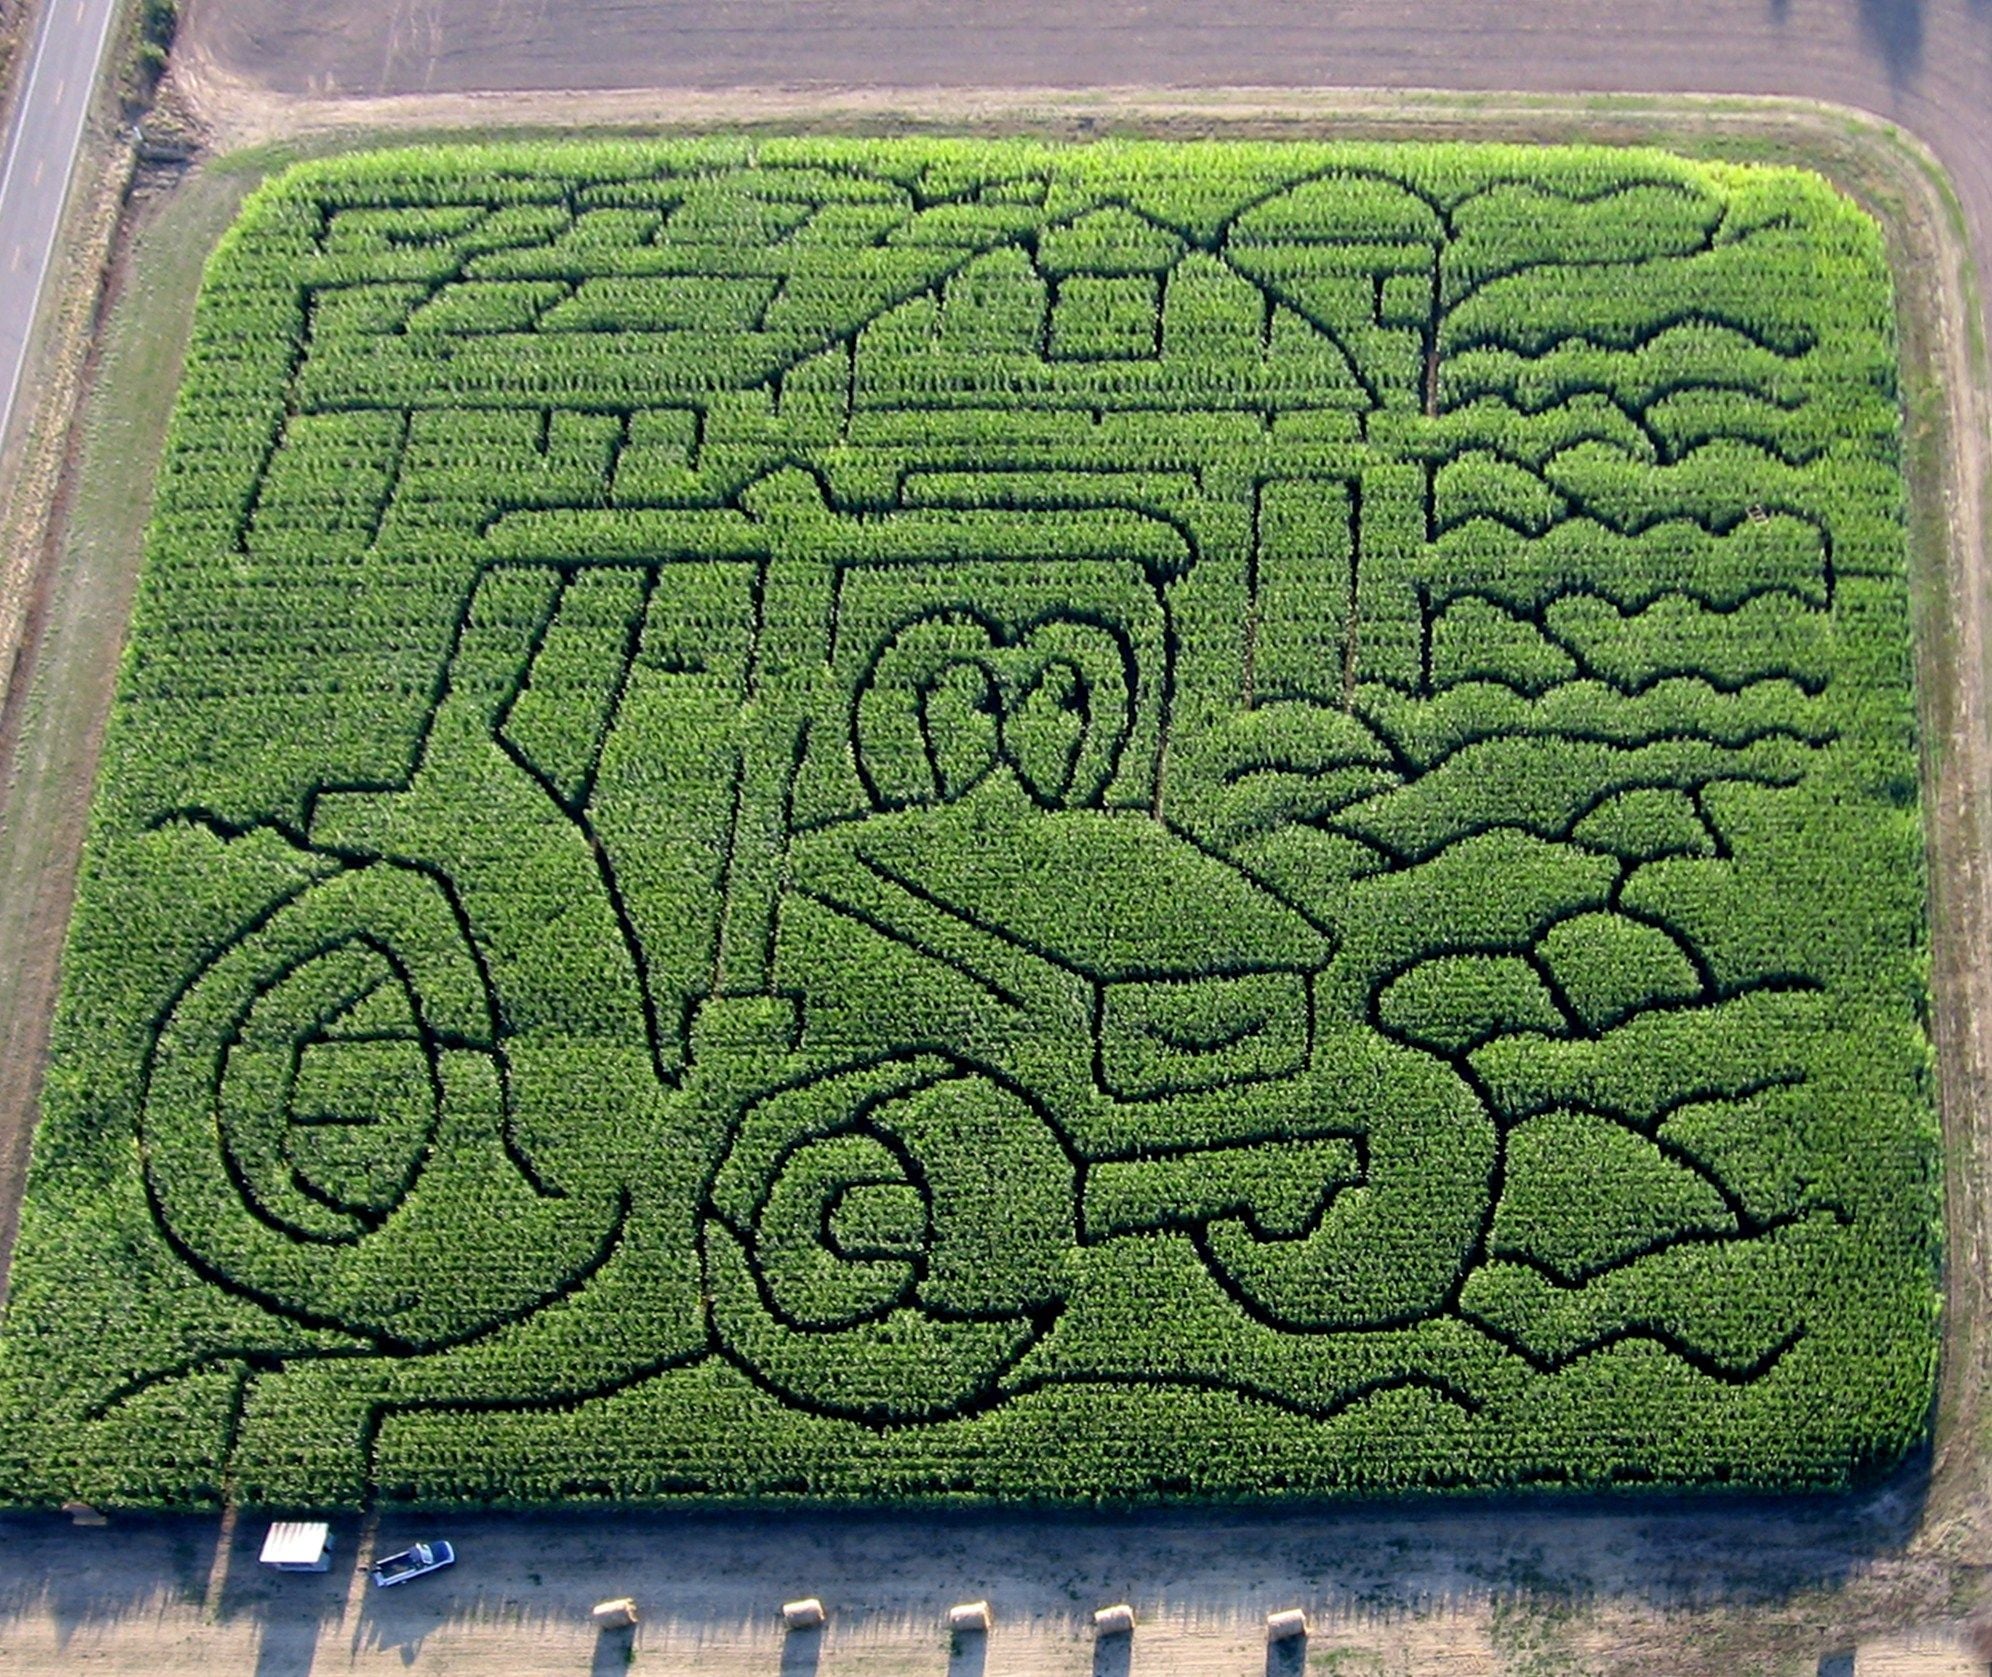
42	143
1926	64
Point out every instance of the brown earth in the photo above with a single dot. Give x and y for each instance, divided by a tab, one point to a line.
1620	1587
1435	1592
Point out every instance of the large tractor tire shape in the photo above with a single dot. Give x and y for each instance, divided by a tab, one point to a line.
362	1112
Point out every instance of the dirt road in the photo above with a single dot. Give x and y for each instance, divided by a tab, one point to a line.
1439	1592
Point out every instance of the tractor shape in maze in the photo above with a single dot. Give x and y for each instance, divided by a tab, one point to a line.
992	795
918	1075
889	981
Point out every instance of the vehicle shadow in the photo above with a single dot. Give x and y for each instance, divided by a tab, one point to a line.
288	1613
403	1617
286	1650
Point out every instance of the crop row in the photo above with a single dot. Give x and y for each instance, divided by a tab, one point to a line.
934	818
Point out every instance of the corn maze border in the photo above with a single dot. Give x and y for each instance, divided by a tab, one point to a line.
230	829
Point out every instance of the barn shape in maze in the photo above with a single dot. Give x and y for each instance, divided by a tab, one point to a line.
932	818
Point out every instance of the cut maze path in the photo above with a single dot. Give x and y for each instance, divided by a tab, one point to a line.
1601	639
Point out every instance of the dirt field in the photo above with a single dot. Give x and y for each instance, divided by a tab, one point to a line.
1535	1587
1439	1593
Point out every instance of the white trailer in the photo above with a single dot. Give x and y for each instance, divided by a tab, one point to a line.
298	1546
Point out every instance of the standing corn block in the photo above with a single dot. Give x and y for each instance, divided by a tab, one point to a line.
1491	560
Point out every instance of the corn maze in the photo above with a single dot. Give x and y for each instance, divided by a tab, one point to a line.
927	819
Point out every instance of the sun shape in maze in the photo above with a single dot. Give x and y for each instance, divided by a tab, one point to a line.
927	784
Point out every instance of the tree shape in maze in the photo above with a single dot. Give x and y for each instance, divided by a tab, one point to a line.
908	818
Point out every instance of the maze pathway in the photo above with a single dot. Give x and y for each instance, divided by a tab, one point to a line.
934	818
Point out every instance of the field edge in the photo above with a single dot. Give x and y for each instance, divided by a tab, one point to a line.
1882	170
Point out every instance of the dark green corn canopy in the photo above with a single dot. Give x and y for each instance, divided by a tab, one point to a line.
942	818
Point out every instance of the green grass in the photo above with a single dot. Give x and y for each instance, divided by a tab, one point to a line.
944	818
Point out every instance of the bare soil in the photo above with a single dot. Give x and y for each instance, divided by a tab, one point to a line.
1535	1586
1439	1592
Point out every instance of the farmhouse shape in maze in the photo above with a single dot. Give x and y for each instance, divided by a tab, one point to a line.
924	785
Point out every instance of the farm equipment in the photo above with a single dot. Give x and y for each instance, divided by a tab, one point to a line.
872	1014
